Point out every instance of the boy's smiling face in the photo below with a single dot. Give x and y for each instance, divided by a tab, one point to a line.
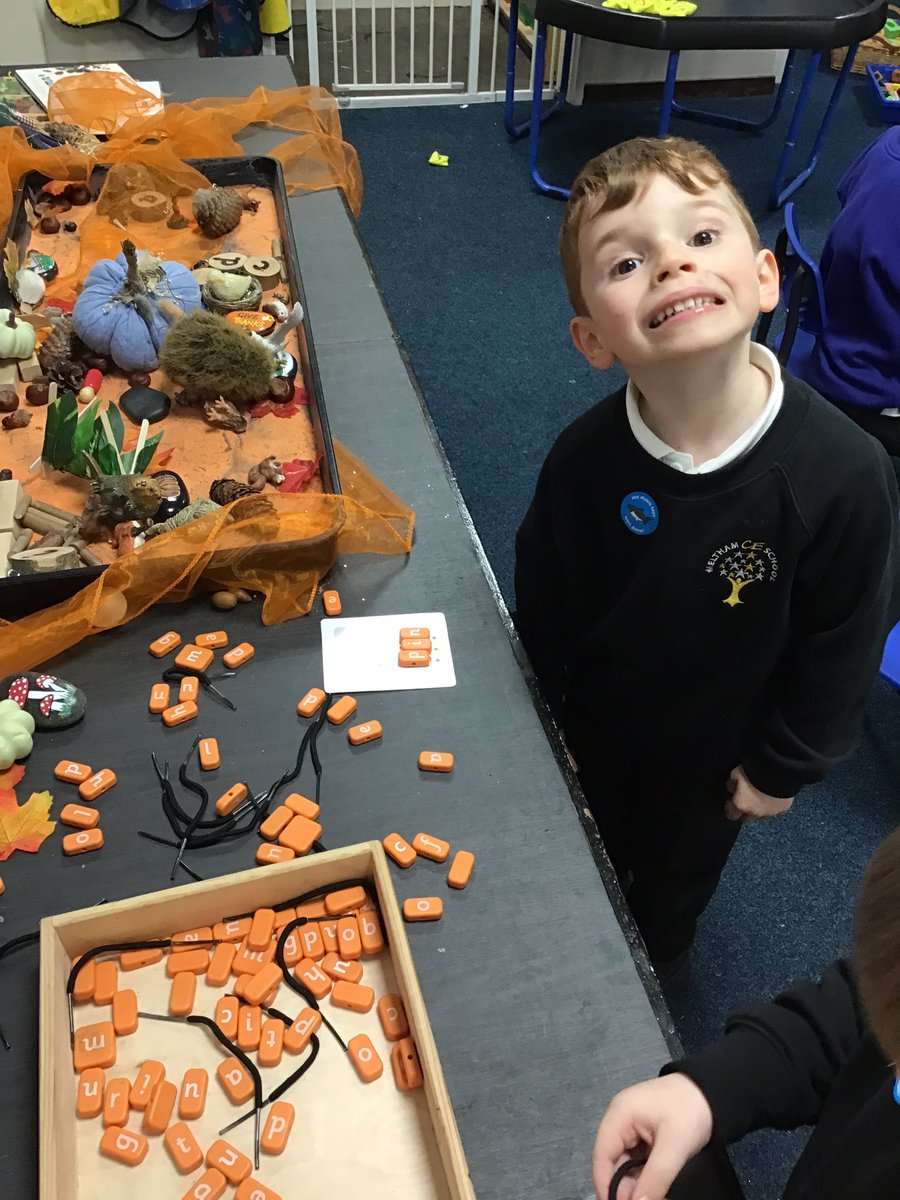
668	276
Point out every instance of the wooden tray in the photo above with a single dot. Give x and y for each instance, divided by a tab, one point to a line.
349	1139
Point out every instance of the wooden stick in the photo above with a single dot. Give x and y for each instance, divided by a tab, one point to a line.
142	438
52	510
22	542
42	522
107	428
88	557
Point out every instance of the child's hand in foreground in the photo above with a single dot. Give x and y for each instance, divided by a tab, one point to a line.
747	803
669	1118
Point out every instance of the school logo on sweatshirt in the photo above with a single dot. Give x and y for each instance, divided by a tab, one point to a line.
640	513
743	563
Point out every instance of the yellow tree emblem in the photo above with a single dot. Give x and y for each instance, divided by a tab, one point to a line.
740	568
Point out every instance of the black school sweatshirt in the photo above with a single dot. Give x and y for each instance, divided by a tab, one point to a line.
808	1058
731	617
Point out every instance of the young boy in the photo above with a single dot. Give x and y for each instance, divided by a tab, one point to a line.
706	574
818	1055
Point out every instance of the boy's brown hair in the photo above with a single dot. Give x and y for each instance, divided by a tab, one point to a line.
878	945
611	180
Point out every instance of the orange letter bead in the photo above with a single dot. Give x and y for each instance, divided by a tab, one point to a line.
131	960
311	702
392	1016
209	1186
84	982
252	1189
249	1027
345	900
229	800
235	1079
79	818
461	869
195	961
149	1077
95	1046
91	1084
355	996
277	819
106	982
310	937
188	689
399	850
365	1058
277	1128
212	641
183	1149
124	1146
417	631
164	644
370	933
181	997
125	1012
331	602
262	983
413	658
328	929
423	908
179	713
72	772
189	937
82	842
349	945
158	1112
238	656
115	1103
314	980
415	644
262	926
431	847
159	697
233	1165
232	931
193	658
271	1043
293	950
358	735
339	968
435	760
297	1036
299	835
301	807
249	962
268	854
209	754
341	710
192	1101
406	1066
99	783
219	969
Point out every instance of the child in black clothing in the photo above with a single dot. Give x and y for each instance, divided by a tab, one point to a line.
707	572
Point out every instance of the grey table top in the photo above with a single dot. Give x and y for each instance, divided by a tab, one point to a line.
536	1003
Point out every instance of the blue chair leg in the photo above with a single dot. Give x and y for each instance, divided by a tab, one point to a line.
711	118
519	131
668	100
537	118
782	191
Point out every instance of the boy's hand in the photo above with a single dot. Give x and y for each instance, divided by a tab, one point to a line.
747	803
669	1117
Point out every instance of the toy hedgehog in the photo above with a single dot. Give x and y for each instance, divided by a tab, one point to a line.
210	358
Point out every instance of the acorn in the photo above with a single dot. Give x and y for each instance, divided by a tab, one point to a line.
49	225
139	379
9	400
38	393
96	362
79	193
217	210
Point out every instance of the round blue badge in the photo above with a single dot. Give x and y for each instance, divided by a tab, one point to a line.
640	514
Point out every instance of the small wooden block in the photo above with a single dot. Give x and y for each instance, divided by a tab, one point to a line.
229	800
219	970
72	772
355	996
349	944
278	819
181	996
364	1057
277	1128
116	1107
188	938
227	262
398	849
217	640
238	656
158	1112
183	1148
164	644
297	1036
264	269
370	933
91	1088
415	631
225	1158
193	658
148	1079
188	689
159	698
405	1065
310	939
311	702
124	1145
209	1186
252	1189
95	1046
236	1080
302	807
82	842
232	931
358	735
226	1017
131	960
431	847
249	1027
192	1100
341	968
313	979
208	751
98	784
195	961
392	1015
262	926
299	835
30	369
461	869
331	602
268	855
271	1043
79	818
435	760
125	1012
341	710
179	713
414	658
262	983
345	900
9	372
423	908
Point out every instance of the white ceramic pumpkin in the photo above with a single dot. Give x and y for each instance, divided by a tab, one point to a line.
16	728
17	338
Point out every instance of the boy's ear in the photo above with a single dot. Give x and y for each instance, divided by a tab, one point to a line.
767	274
584	335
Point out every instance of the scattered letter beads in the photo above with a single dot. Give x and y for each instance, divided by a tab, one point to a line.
297	1035
84	982
91	1085
262	925
235	1079
79	818
106	981
271	1043
229	800
299	835
124	1145
435	760
188	689
349	944
159	698
364	1056
267	854
311	702
415	644
277	1128
312	978
209	754
370	933
331	602
232	931
179	713
417	631
209	1186
249	1027
217	640
183	1148
431	847
461	869
82	842
189	937
195	961
423	908
277	820
164	644
72	772
97	785
95	1046
181	997
149	1077
219	969
399	850
413	658
341	710
252	1189
301	807
192	1100
193	658
358	735
131	960
355	996
392	1015
238	656
125	1012
405	1065
159	1111
340	968
310	939
262	983
233	1165
345	900
115	1103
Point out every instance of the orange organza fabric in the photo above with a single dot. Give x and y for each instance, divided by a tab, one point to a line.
275	543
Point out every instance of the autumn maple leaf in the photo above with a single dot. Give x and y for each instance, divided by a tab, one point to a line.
23	826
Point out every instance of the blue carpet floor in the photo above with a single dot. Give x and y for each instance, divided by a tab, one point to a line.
467	259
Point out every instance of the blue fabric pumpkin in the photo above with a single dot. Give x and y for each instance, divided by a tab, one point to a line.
119	313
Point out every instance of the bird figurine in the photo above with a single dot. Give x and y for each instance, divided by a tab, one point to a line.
114	499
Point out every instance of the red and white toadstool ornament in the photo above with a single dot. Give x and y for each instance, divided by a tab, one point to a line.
52	701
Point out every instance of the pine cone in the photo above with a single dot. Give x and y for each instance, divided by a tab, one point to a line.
58	356
218	210
223	491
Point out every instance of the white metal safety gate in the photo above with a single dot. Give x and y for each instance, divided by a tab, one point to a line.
390	52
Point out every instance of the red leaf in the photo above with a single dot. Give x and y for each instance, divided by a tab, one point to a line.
297	473
9	779
268	407
24	826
